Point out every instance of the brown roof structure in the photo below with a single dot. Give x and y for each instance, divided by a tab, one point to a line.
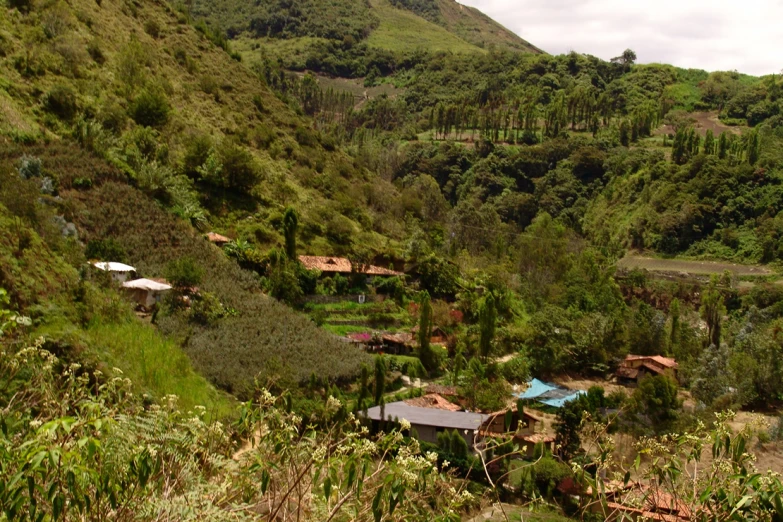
433	400
343	266
667	362
442	390
214	237
399	338
535	438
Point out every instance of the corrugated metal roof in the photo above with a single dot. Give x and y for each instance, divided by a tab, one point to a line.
111	266
460	420
147	284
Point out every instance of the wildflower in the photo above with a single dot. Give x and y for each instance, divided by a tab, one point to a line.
405	424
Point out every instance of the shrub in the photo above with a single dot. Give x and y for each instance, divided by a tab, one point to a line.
152	28
206	309
61	101
184	273
21	5
547	474
30	167
95	52
516	370
239	166
112	117
106	250
339	229
150	108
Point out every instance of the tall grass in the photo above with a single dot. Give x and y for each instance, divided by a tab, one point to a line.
157	365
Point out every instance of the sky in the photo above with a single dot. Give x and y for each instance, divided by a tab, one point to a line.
716	35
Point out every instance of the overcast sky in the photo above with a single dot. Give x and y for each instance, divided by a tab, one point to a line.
746	35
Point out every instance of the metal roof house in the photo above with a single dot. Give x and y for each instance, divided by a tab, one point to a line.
428	422
120	272
146	292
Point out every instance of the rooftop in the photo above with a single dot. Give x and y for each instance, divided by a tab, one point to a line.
667	362
432	400
343	265
214	237
460	420
111	266
147	284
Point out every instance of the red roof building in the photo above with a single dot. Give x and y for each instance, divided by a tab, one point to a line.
635	367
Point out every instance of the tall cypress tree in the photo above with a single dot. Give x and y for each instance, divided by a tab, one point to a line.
754	147
674	312
380	378
711	311
487	319
290	225
709	143
723	145
425	333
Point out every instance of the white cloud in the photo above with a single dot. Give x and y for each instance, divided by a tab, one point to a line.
704	34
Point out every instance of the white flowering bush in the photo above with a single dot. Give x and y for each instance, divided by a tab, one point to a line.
78	445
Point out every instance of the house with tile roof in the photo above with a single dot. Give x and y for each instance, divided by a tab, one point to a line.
635	367
339	265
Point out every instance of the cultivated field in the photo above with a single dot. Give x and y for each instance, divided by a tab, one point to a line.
691	267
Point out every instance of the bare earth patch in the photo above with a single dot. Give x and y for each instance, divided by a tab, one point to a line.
704	121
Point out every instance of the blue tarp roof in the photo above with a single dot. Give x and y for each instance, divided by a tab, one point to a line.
549	394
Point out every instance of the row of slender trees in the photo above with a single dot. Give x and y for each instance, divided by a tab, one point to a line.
519	120
688	143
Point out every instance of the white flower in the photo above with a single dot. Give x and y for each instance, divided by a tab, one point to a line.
404	424
35	424
333	403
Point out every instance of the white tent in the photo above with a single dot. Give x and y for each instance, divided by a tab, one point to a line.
119	271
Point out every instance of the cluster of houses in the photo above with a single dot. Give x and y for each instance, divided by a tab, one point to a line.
144	292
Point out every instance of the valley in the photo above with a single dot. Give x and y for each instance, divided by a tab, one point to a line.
564	270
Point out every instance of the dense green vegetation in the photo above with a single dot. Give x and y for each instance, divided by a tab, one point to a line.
505	182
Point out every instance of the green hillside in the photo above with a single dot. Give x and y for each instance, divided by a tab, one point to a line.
545	217
400	30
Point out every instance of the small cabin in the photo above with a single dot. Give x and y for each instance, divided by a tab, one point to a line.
398	344
146	292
